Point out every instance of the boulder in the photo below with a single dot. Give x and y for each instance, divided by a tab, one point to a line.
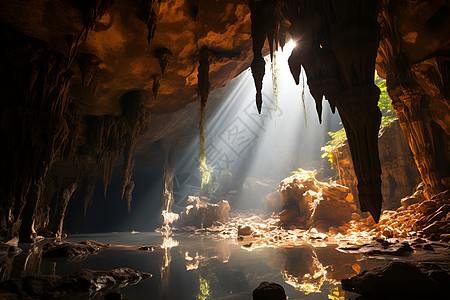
245	230
273	202
308	202
83	284
202	214
423	281
379	247
269	291
72	251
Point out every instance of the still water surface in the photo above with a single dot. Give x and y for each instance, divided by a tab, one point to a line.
199	266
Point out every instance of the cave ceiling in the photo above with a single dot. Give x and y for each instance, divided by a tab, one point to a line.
125	57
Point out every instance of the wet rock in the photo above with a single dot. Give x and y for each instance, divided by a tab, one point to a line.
445	237
428	247
72	251
269	291
202	214
379	247
308	202
113	296
399	278
245	230
82	283
427	206
274	203
146	248
6	249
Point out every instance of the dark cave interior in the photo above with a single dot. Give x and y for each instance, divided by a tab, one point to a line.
195	149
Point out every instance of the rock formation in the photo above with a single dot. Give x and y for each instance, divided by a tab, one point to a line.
84	283
307	202
400	279
416	72
399	173
201	214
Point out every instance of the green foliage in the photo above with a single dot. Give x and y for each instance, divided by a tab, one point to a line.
384	103
204	292
304	172
275	76
205	170
210	188
385	106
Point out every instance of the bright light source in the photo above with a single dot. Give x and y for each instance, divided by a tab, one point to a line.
289	47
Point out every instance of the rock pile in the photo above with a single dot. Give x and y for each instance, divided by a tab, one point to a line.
418	215
308	203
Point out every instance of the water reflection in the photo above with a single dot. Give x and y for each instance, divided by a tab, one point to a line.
201	266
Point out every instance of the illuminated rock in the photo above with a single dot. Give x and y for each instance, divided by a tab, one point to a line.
202	214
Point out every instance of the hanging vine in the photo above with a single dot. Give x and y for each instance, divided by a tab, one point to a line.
203	91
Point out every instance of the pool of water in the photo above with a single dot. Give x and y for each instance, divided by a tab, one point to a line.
202	266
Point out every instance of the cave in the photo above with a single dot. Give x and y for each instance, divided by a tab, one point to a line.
208	149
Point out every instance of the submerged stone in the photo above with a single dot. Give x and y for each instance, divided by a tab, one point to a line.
269	291
84	283
399	278
72	251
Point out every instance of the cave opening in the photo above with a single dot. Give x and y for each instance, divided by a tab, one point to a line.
194	149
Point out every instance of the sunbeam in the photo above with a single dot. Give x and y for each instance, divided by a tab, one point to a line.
244	147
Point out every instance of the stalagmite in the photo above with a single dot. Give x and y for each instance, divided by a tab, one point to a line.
129	194
170	155
62	200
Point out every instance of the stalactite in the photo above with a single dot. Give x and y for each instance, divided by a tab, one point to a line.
136	119
203	92
91	11
337	51
63	197
35	129
88	64
129	194
156	85
88	192
164	57
151	9
355	47
258	37
193	7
